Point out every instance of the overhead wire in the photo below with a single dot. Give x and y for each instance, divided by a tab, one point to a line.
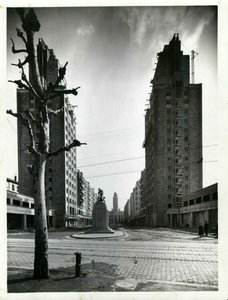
111	174
111	161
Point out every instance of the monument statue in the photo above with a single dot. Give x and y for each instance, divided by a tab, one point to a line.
100	216
100	197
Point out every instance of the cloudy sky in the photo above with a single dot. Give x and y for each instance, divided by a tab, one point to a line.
112	54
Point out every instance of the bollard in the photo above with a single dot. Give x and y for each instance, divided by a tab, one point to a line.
78	264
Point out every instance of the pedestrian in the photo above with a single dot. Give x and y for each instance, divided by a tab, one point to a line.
200	230
206	226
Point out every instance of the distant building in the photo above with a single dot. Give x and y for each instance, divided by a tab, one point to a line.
61	171
134	211
173	136
86	199
115	204
116	216
198	207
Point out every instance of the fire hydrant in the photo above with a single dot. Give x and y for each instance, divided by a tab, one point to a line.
78	264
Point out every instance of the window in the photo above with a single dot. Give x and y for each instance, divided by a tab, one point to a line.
215	196
169	205
178	88
16	202
198	200
32	205
185	203
8	201
206	198
25	204
168	91
13	187
191	202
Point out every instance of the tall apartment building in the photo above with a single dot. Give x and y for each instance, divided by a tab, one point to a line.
173	135
61	171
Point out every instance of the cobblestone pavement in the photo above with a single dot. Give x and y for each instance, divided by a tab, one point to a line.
166	261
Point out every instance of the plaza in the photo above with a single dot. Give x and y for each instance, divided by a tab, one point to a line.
140	257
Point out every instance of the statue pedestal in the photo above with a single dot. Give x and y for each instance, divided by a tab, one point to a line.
100	217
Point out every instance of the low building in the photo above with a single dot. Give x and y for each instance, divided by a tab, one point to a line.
116	219
197	207
20	208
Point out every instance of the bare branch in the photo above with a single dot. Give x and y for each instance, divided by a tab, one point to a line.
20	34
62	72
20	84
26	123
17	51
21	64
24	78
30	23
55	112
75	143
65	92
30	116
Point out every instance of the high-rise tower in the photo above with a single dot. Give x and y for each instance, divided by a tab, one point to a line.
115	207
115	203
173	136
61	171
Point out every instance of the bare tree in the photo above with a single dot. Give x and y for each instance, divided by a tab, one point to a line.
39	146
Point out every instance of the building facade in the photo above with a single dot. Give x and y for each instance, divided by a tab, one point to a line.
61	171
197	207
20	208
85	201
134	210
173	136
116	216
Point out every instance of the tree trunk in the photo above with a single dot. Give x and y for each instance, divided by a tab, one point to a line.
41	233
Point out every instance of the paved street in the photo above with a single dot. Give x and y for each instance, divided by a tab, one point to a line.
142	255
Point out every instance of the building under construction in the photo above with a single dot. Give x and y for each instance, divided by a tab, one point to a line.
173	137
